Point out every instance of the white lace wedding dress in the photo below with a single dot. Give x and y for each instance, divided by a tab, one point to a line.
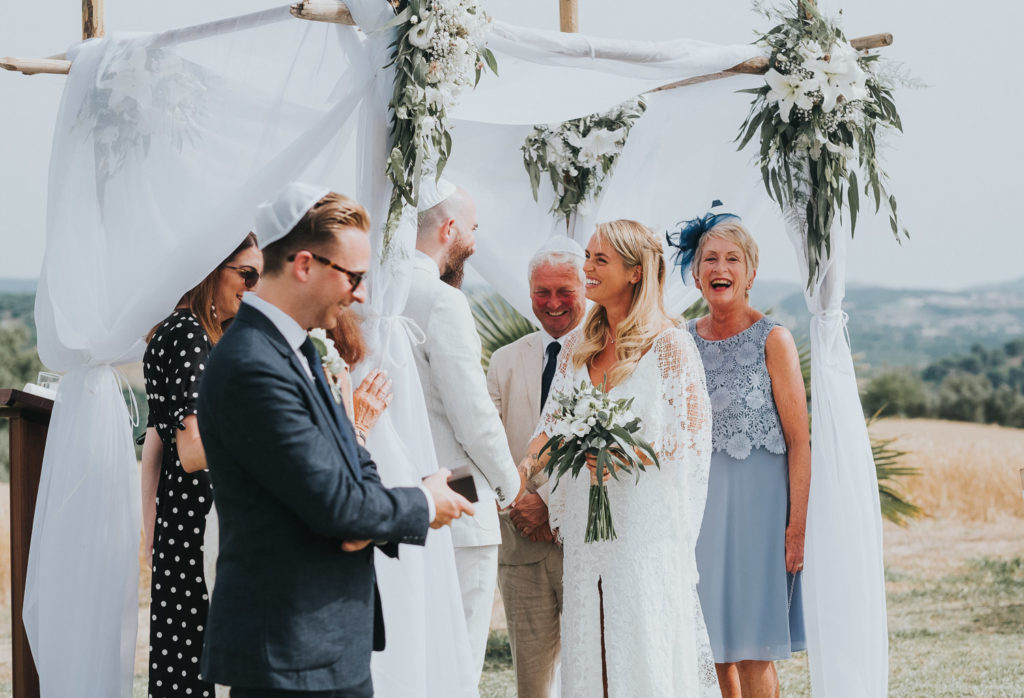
656	643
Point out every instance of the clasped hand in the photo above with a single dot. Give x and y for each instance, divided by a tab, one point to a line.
530	516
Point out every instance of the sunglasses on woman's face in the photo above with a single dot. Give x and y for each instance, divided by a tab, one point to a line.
250	276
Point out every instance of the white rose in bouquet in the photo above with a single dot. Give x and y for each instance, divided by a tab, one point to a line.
422	34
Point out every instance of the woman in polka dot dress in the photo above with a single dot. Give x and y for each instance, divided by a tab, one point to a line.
176	486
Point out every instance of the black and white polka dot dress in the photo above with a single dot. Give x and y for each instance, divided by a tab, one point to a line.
174	361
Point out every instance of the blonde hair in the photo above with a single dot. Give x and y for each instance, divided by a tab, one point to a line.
639	247
730	230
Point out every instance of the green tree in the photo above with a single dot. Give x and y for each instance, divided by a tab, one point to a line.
963	397
896	393
19	364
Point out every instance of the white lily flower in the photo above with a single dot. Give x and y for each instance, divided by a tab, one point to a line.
790	91
841	76
574	139
809	50
603	142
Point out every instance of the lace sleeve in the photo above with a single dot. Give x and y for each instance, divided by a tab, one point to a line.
684	439
561	383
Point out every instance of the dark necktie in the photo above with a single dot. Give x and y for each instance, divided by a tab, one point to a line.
333	408
549	372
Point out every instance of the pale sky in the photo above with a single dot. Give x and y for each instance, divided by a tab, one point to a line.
954	172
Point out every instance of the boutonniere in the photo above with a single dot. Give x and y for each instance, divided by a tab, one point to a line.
330	359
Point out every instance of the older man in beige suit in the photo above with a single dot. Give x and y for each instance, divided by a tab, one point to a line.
530	561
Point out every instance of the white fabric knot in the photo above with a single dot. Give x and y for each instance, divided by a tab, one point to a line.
415	334
831	325
385	329
130	402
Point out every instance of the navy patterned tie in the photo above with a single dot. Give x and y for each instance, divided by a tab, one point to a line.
549	372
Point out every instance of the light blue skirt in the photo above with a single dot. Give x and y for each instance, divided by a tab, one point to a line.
752	606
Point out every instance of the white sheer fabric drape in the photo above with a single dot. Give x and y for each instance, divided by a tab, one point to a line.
844	576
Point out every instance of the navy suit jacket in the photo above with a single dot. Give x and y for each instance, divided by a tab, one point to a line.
291	610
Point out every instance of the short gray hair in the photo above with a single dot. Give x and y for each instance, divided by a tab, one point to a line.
546	256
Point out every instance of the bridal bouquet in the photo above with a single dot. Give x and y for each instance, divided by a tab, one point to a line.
823	108
588	422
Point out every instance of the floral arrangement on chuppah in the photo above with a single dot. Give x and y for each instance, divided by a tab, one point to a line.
579	155
823	107
439	51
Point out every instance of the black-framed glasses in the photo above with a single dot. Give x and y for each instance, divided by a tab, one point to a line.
250	276
354	277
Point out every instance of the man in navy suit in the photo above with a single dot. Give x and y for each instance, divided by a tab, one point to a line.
295	610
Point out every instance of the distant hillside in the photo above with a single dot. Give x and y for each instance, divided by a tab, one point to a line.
18	286
912	327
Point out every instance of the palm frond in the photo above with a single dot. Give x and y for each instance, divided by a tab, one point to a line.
697	310
497	323
888	466
888	459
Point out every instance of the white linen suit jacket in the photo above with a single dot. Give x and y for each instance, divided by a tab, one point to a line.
463	421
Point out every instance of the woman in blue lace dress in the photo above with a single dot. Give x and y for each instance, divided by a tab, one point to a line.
750	549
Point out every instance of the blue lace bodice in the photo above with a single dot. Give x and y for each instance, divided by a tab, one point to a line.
744	416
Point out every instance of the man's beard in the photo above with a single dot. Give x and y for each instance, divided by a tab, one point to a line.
455	266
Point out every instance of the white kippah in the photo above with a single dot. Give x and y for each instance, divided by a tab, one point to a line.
276	218
433	192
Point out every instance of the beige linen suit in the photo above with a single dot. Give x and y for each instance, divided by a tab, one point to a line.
529	573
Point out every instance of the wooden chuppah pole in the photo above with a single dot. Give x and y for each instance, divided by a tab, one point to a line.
92	19
569	15
759	65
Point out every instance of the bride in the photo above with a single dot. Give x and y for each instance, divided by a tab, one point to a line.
631	619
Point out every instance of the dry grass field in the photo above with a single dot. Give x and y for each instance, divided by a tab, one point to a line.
954	579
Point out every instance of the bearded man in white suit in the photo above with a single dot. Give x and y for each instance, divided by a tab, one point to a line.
463	421
530	560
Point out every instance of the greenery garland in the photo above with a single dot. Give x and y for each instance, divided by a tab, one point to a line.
439	50
579	154
822	107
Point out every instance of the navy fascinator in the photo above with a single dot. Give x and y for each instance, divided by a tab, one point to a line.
686	239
